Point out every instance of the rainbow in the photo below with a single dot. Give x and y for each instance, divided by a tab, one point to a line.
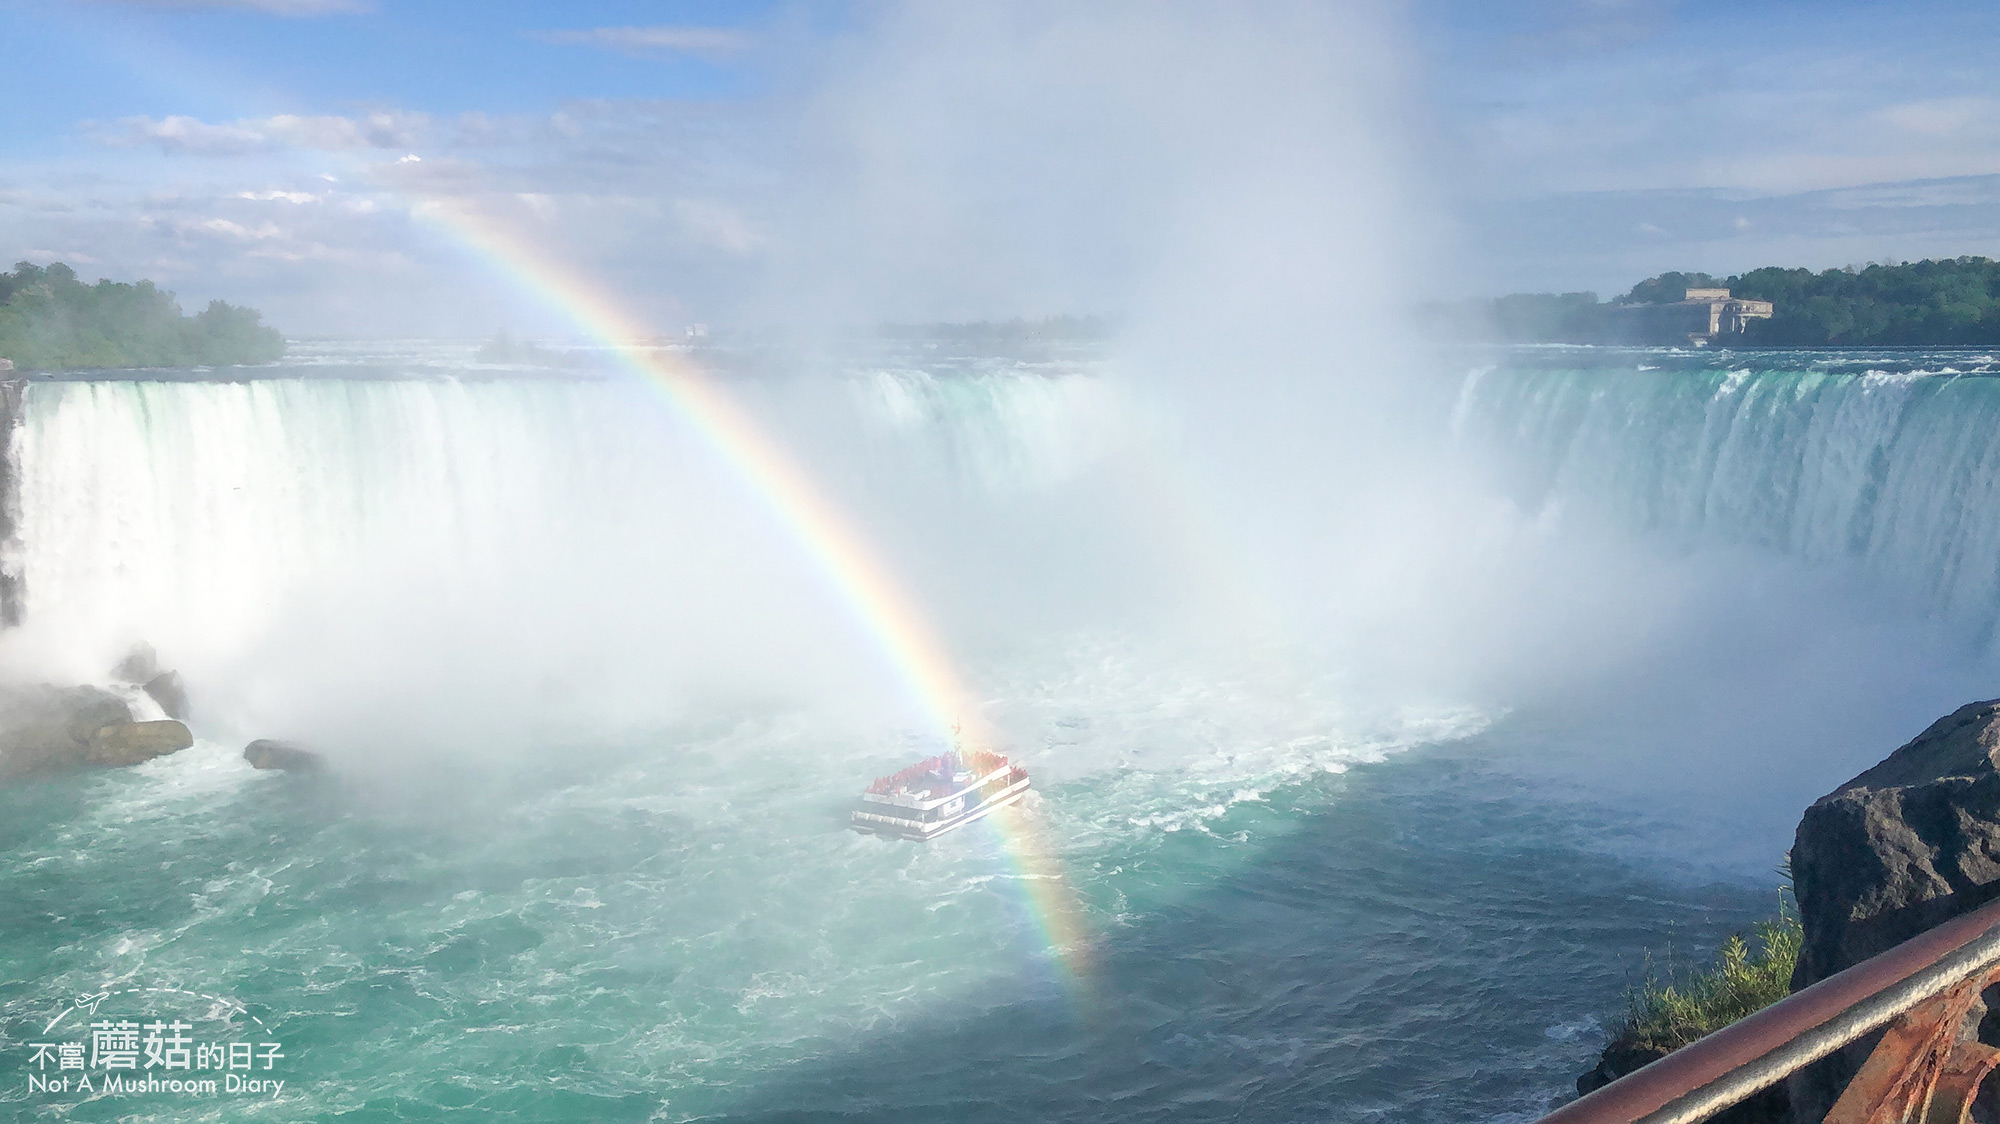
862	580
857	575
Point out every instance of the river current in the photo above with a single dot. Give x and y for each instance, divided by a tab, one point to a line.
595	725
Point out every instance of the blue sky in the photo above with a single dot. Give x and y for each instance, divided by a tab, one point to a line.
109	60
747	160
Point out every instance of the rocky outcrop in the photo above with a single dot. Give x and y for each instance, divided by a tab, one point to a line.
268	753
46	730
1622	1057
167	689
140	665
1910	843
1906	845
128	743
1619	1058
141	668
11	391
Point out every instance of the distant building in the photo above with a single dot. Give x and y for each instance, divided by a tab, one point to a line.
1702	318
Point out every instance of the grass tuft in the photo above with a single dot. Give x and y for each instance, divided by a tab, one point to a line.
1667	1013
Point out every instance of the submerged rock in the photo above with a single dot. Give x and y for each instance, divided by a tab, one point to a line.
1908	844
167	689
269	753
46	729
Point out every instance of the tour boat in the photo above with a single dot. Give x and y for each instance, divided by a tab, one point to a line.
939	793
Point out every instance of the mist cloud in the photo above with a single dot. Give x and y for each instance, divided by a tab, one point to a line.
985	161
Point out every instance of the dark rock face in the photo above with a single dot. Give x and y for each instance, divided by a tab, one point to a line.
141	668
140	665
167	689
1619	1059
10	500
1906	845
46	730
1772	1106
268	753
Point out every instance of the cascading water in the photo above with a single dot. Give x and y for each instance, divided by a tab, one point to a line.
1888	462
595	725
518	527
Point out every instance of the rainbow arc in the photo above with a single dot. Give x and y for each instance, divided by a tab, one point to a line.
853	570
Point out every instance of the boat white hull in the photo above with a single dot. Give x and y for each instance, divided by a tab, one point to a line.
904	828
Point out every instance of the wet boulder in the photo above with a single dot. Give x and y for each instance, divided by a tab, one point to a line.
129	743
269	753
167	689
1618	1059
139	665
46	730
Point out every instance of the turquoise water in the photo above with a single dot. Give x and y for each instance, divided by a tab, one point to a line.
1420	938
594	730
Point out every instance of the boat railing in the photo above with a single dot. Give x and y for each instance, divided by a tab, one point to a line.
978	762
1927	1067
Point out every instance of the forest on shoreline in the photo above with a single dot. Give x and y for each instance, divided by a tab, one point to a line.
1931	303
51	321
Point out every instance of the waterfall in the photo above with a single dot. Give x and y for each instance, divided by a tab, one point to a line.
1895	471
548	535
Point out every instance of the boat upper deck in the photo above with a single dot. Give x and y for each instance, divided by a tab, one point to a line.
936	780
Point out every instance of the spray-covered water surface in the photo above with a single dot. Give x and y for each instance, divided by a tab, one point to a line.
594	723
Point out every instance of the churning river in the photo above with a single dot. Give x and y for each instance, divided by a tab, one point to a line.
595	723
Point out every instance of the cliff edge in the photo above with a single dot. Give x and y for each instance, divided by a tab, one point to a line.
1908	844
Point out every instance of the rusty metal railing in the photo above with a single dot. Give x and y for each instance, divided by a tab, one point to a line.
1927	1068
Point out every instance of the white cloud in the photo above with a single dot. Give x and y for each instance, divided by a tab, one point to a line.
238	230
47	257
192	136
1942	117
394	129
1607	240
652	40
295	197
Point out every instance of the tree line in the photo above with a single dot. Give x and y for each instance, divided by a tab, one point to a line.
1942	303
50	321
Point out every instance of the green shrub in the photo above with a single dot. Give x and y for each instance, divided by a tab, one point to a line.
1668	1013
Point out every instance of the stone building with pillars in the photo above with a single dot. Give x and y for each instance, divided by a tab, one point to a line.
1704	317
